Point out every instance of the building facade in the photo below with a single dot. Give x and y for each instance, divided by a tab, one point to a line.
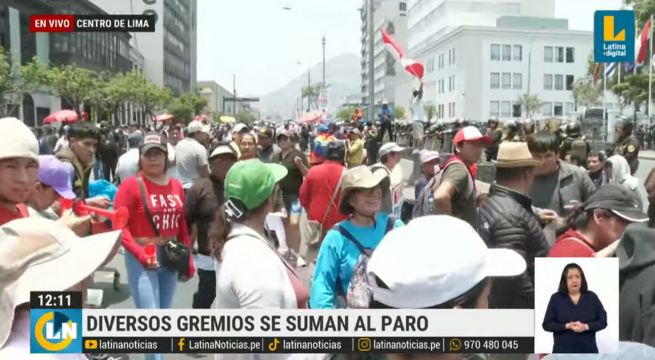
171	50
390	15
215	94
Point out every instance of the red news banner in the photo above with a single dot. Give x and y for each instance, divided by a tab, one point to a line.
92	23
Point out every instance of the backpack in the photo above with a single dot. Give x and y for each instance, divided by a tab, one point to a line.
423	206
359	293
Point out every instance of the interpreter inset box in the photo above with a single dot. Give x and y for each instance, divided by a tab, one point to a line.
576	305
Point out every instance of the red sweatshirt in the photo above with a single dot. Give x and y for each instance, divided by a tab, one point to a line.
7	215
572	244
316	190
166	204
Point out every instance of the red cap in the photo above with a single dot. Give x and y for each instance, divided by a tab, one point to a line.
470	133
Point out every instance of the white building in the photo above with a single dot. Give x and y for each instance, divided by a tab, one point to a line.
390	15
171	51
215	94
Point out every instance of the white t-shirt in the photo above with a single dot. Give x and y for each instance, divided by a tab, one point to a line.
418	113
190	157
128	164
62	143
18	344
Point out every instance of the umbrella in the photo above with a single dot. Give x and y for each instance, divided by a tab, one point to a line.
163	117
312	117
63	116
227	119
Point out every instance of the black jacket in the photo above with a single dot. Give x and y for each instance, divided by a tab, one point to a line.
507	221
636	254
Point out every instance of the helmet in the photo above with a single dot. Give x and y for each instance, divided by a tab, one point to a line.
511	126
625	122
573	129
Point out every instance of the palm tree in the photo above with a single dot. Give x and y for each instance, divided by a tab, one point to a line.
529	103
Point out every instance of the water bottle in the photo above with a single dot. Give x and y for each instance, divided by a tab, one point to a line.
431	203
295	212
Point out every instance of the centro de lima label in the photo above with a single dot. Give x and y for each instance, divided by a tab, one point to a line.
614	49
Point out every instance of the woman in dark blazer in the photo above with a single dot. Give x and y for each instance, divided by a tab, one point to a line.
574	314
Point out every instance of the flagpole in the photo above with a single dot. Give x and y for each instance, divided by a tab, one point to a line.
604	102
620	66
650	68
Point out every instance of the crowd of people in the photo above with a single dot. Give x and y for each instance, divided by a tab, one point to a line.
202	197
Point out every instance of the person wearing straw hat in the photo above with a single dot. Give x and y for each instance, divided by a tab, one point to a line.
64	260
507	221
361	201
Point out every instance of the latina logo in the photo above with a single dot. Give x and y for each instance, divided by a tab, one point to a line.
56	331
614	34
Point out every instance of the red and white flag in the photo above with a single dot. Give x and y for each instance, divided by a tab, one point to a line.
411	66
643	45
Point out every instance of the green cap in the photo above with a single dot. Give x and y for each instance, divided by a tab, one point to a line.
252	181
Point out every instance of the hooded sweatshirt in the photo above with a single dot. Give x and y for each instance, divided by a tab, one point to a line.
636	254
621	175
82	174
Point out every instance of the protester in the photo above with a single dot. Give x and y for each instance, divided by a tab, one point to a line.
248	146
267	149
249	272
128	163
62	142
429	167
618	172
203	200
55	180
418	117
390	156
507	221
319	196
456	194
19	168
410	270
495	132
385	116
82	147
319	147
296	164
371	143
596	166
365	226
64	260
354	148
156	206
595	227
191	154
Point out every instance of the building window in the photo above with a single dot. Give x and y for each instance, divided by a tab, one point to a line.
559	82
495	52
506	82
569	108
506	109
558	109
495	80
494	109
454	56
507	52
518	80
451	83
441	61
516	110
548	54
559	54
547	109
569	82
570	55
518	53
548	82
402	6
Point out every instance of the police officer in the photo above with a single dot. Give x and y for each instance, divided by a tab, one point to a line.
496	134
626	144
575	144
512	131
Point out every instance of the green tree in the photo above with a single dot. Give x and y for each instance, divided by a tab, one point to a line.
345	113
585	93
12	86
529	103
246	117
399	112
430	111
146	95
184	107
643	10
312	92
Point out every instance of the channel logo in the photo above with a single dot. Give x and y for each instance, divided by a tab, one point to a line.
614	36
55	331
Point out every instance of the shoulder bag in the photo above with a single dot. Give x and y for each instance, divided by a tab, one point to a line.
313	229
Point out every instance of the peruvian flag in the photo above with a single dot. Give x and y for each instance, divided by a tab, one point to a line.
411	66
643	45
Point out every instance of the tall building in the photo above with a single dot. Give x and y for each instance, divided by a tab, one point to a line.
171	51
390	15
215	93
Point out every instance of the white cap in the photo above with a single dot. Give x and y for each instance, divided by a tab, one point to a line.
435	259
429	155
22	143
223	149
196	126
390	147
239	127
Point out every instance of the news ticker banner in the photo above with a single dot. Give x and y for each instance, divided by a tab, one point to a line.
92	23
58	325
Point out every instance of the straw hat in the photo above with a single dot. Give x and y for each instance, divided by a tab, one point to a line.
514	154
358	178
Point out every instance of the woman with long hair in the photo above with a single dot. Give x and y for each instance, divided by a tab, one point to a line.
248	146
574	314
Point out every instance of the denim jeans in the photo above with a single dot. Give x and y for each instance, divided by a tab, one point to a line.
151	289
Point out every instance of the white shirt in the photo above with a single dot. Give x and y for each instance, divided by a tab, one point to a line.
128	164
190	157
18	344
418	113
62	143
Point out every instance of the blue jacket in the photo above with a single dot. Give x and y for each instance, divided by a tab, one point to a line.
561	311
382	113
337	258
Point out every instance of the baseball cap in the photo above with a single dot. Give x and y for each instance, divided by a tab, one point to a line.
240	127
390	147
135	139
420	272
323	128
222	149
196	126
57	174
470	133
152	141
428	155
618	199
266	132
22	143
252	181
44	255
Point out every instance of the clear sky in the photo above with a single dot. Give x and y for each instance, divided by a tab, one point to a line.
267	46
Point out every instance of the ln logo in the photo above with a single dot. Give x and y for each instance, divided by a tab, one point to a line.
56	331
614	33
